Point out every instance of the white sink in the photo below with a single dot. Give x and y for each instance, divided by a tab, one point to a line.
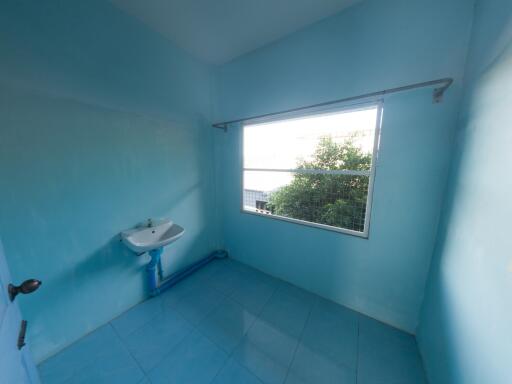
151	235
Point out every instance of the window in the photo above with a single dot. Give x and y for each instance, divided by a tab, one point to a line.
315	170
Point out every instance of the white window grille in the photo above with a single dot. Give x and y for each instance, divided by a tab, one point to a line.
316	169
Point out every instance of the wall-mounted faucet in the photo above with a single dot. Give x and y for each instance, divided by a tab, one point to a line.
150	223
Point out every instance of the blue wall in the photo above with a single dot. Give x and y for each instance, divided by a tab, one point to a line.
374	45
464	334
103	124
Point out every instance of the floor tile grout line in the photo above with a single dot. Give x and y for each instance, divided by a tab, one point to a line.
277	288
205	315
195	327
162	309
257	314
192	329
231	353
299	340
236	270
221	368
208	279
123	343
256	318
89	333
276	285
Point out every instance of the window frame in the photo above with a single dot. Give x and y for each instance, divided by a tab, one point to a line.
379	104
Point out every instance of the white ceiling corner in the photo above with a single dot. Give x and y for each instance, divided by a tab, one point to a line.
217	31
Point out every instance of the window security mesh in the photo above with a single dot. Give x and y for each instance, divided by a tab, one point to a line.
316	169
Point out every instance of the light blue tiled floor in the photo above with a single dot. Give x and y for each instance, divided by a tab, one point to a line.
229	323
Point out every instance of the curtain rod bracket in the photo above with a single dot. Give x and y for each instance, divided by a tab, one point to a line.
438	94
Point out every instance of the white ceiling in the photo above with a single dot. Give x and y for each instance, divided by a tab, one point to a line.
217	31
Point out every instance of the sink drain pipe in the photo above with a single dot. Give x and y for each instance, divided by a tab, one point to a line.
158	284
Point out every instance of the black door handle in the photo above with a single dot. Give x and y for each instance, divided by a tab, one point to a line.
28	286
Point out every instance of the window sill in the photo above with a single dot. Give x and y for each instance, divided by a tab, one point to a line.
363	235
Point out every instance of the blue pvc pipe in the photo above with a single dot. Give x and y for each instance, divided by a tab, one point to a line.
151	270
154	270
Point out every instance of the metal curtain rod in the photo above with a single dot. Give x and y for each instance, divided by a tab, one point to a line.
437	98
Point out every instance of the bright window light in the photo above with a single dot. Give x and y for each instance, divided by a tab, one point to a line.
316	169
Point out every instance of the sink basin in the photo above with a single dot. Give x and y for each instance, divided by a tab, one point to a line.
146	238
